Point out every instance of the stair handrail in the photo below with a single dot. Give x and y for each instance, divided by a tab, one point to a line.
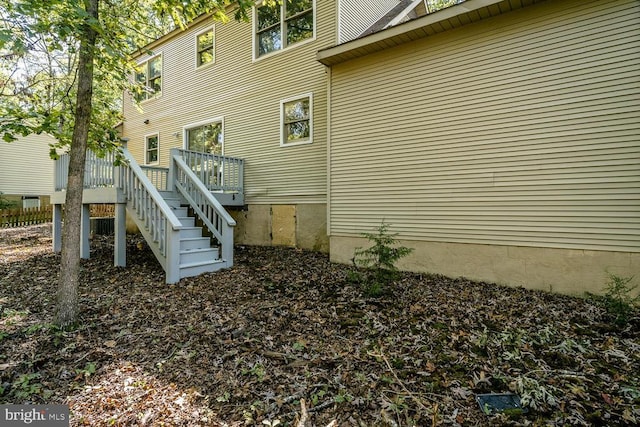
155	218
213	215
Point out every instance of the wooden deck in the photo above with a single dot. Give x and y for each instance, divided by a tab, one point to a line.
160	200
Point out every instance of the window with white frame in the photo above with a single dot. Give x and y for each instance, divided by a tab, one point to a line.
151	145
205	47
149	78
279	25
296	120
205	137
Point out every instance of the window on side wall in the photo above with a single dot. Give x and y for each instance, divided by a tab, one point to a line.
149	77
296	120
280	25
151	144
205	47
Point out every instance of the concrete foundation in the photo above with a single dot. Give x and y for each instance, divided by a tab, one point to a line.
283	225
567	271
302	226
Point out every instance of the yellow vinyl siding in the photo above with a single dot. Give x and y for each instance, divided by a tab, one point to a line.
523	129
247	93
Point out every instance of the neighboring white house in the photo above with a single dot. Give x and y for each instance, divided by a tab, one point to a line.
26	170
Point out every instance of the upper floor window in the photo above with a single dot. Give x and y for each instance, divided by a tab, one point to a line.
149	75
151	149
205	48
283	23
296	120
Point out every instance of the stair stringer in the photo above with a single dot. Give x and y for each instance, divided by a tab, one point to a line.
148	237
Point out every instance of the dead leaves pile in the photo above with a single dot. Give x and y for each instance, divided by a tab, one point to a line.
284	339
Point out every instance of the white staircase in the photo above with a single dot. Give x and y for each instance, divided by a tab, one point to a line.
198	253
182	246
186	226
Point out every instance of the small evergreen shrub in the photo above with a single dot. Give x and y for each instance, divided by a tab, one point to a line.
618	299
379	260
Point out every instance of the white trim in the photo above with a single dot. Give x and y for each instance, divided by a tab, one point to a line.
206	30
146	137
254	45
185	128
146	61
290	99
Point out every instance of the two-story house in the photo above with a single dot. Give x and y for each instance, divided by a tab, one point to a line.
499	138
244	105
251	90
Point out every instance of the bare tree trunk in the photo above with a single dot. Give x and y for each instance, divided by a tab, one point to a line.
67	310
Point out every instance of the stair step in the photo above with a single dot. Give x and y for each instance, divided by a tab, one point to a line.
174	203
180	211
195	243
197	268
190	256
187	221
188	232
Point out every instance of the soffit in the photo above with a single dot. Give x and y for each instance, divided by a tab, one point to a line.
443	20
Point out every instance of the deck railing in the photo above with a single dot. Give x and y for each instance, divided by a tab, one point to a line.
98	173
208	209
217	173
158	176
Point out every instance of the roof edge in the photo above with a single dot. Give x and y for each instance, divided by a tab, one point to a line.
370	43
230	8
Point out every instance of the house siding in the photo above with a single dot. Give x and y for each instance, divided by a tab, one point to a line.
25	166
355	16
246	93
519	130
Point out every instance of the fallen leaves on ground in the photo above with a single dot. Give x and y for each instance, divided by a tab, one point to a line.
244	346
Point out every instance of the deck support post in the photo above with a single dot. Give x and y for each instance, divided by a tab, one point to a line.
120	230
85	229
57	228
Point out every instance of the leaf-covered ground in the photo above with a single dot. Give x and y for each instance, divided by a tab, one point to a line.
244	346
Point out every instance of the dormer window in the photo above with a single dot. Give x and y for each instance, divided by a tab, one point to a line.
280	25
205	48
149	76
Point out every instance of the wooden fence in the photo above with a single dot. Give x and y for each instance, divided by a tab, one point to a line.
10	218
20	217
